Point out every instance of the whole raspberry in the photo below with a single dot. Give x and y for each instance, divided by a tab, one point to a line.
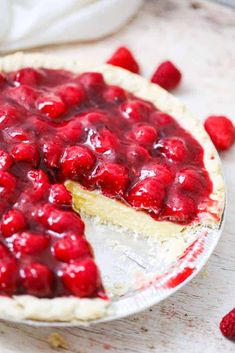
227	325
221	131
123	57
167	75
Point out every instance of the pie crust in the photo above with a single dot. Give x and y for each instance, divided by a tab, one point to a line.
71	308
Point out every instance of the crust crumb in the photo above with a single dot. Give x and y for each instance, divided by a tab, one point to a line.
205	272
56	340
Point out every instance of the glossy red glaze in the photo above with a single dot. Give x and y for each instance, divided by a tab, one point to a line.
57	125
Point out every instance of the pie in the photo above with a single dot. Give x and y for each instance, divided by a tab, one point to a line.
129	153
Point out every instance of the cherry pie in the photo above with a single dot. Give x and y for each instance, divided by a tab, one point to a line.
124	149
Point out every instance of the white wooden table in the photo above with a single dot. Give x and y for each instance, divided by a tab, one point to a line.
200	38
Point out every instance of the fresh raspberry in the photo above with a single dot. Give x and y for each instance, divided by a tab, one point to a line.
124	58
227	325
167	75
221	131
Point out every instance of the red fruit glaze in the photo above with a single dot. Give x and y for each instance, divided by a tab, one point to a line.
80	128
227	325
167	75
124	58
221	131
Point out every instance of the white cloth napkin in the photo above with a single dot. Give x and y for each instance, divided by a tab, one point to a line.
32	23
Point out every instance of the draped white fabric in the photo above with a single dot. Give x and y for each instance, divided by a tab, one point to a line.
32	23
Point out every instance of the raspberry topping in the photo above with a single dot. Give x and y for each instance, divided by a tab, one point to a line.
227	325
29	243
56	125
167	75
12	222
72	247
147	194
77	162
37	280
124	58
81	277
221	131
112	179
5	160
